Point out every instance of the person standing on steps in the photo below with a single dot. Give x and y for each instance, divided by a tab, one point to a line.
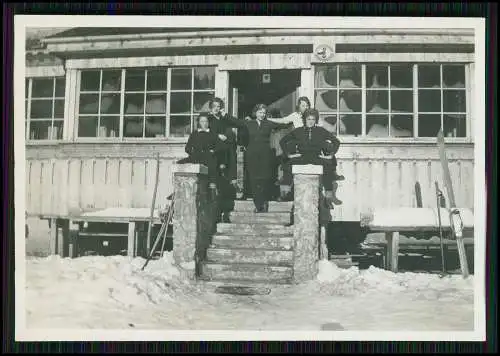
295	118
226	155
202	147
259	153
312	144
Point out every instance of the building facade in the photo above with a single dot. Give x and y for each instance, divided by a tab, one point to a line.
100	102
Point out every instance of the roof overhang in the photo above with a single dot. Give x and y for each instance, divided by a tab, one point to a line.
203	40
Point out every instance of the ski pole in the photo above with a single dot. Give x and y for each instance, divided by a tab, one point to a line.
439	195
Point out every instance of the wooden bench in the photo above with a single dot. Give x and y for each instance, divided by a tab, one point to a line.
65	229
394	221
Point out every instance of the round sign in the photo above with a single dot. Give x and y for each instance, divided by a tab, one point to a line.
324	52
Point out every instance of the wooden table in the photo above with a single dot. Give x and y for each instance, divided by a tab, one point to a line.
65	229
396	220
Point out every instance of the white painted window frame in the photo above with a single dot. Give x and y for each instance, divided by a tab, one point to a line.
120	137
415	139
52	119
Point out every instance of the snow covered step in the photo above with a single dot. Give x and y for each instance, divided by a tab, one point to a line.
274	206
250	217
246	272
241	255
255	242
254	229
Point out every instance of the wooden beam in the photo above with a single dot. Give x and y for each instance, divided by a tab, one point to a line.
53	246
44	71
72	236
224	62
398	57
131	241
392	250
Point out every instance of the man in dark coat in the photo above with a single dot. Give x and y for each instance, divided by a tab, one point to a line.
312	144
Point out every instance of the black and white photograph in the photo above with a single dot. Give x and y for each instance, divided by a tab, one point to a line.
235	178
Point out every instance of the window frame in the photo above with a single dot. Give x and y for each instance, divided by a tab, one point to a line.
120	138
27	114
363	138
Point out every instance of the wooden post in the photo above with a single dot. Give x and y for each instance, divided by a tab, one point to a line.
392	239
53	250
131	250
72	234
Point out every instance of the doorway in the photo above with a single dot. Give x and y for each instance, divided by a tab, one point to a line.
278	89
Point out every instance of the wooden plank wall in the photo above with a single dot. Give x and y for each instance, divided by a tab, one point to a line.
377	183
56	186
376	176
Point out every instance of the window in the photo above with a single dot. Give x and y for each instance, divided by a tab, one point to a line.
44	108
143	103
392	100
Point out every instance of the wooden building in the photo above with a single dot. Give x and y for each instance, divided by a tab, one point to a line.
100	102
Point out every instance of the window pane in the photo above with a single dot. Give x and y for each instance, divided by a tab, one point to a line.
429	125
87	126
60	87
454	125
135	79
180	126
454	76
133	126
181	79
110	104
111	80
350	101
401	100
41	109
202	100
89	103
401	76
90	80
180	103
325	76
134	103
429	101
155	126
377	125
429	76
350	76
26	88
402	126
42	88
59	108
329	122
454	100
39	130
110	126
377	101
204	78
326	100
377	76
157	79
57	129
350	125
156	103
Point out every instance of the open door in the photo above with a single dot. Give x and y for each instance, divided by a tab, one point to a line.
240	170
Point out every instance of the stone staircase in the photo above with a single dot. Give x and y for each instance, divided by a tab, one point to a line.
253	248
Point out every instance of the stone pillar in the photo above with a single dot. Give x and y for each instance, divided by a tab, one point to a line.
306	180
191	189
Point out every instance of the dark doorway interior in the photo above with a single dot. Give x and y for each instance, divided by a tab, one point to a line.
278	89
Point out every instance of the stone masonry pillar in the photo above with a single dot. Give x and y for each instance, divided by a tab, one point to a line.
190	187
306	180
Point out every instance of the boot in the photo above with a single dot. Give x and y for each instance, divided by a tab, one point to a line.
285	193
225	217
331	199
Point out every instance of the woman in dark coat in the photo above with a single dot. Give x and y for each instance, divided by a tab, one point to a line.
312	144
259	155
202	147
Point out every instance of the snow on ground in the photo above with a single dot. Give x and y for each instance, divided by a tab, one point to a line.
113	292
